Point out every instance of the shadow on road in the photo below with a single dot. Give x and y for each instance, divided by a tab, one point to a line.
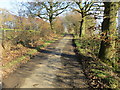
68	74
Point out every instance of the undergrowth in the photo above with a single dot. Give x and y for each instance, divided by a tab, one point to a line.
21	47
100	74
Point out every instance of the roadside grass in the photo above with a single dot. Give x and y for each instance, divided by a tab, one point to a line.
19	57
25	57
14	62
46	43
100	74
18	60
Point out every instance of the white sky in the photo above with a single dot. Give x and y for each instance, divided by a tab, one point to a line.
13	0
11	5
8	4
4	4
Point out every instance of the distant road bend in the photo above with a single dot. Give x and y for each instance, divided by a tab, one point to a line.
54	67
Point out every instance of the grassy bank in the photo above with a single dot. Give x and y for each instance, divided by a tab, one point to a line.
100	74
21	54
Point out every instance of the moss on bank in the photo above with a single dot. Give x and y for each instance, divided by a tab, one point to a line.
100	74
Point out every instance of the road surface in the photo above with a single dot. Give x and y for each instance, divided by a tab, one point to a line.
54	67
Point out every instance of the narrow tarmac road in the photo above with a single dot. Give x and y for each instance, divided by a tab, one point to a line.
54	67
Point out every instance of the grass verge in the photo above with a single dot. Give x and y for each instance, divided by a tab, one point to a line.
11	65
100	74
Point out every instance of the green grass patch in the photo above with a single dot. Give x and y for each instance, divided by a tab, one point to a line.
14	62
100	73
20	59
39	47
32	51
77	43
49	41
112	82
44	45
63	34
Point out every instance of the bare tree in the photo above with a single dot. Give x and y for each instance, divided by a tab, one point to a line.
46	10
84	8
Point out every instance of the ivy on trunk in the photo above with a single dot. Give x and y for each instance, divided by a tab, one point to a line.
107	48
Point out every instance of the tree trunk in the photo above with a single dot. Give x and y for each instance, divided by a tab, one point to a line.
51	26
119	21
82	27
107	48
2	43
